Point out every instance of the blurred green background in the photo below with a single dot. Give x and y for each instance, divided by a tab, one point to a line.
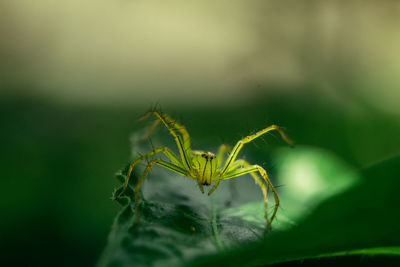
75	76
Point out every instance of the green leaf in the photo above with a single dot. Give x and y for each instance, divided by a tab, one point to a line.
362	220
327	209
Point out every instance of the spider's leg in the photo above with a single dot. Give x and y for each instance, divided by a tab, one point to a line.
164	150
171	123
183	142
256	168
150	165
235	165
248	139
240	163
215	186
181	129
201	186
149	131
221	151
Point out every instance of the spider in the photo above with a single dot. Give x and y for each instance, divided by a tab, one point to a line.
205	167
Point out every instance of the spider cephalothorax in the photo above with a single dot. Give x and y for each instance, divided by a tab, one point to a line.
205	167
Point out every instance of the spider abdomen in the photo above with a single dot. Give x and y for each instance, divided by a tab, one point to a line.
204	166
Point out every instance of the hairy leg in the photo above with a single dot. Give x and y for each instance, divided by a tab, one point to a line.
164	150
183	142
221	151
247	139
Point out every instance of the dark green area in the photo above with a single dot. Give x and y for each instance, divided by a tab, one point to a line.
339	225
58	166
363	217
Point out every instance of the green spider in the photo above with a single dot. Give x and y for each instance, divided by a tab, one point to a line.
205	167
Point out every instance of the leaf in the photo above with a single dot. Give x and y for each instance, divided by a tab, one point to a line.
363	220
333	212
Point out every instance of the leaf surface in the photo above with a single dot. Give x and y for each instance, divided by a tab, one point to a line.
327	210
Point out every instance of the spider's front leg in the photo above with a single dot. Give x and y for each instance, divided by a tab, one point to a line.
236	149
251	169
182	141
